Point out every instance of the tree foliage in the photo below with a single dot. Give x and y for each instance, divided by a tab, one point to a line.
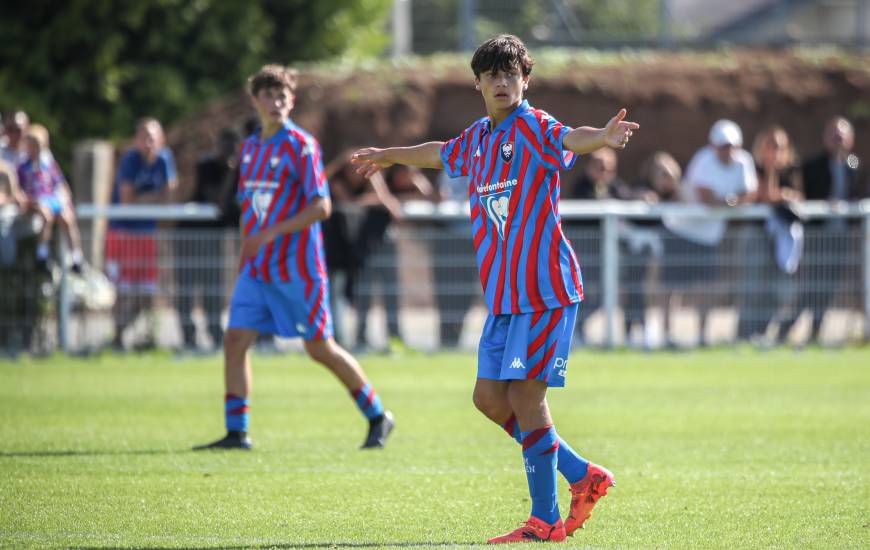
92	67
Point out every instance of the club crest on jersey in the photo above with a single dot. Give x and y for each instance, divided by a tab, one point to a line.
273	162
507	151
497	207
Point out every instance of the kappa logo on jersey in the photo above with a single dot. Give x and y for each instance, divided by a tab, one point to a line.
517	364
507	151
497	207
246	159
273	162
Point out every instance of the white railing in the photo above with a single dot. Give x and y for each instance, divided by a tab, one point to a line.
608	213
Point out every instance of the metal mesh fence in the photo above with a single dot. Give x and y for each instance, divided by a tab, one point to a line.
420	287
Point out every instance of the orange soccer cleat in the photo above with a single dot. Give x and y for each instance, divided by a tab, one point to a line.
585	493
534	530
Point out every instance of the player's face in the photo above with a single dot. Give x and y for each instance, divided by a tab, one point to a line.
273	105
502	89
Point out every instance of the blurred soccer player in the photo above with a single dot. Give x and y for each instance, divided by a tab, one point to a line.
283	288
530	275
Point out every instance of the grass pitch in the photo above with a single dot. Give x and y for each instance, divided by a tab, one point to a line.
714	449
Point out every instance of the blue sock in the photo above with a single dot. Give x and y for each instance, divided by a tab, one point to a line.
368	401
539	455
236	411
571	465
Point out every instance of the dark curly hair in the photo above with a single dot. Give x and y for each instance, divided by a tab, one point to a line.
504	52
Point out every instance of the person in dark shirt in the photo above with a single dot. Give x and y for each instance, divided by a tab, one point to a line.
199	256
832	175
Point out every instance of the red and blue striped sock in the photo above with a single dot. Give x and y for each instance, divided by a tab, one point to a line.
571	465
236	411
539	455
368	401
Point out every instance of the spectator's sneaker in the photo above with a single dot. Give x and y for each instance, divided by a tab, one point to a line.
233	440
534	530
379	431
585	493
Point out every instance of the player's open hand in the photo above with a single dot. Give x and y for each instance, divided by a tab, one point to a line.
369	160
619	131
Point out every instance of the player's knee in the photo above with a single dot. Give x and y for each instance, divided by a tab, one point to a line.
234	343
320	351
488	402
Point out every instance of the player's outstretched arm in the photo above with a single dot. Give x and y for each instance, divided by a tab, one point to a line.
369	160
616	135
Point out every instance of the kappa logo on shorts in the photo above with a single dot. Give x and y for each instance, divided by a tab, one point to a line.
301	328
517	364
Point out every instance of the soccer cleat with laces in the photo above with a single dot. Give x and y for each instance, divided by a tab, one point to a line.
379	431
585	493
533	530
233	440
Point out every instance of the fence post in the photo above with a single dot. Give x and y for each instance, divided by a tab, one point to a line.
63	297
610	276
866	236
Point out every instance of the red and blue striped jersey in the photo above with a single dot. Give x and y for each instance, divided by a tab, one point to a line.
526	263
278	178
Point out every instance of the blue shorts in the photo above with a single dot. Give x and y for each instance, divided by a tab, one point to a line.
281	309
52	203
527	346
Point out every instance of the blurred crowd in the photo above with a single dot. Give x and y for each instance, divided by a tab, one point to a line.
666	263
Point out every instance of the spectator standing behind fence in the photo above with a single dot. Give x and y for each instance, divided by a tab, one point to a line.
46	192
456	283
199	244
769	261
146	175
720	174
378	245
832	175
598	181
342	236
642	248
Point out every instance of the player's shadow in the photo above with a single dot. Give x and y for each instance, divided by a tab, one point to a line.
71	452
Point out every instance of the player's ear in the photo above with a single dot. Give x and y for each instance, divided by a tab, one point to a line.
477	83
526	81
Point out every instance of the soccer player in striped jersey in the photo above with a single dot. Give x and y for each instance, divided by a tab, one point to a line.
282	287
530	275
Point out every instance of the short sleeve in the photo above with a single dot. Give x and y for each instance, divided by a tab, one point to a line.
311	171
129	167
555	155
169	159
454	154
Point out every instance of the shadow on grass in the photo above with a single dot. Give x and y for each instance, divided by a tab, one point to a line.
315	545
69	452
